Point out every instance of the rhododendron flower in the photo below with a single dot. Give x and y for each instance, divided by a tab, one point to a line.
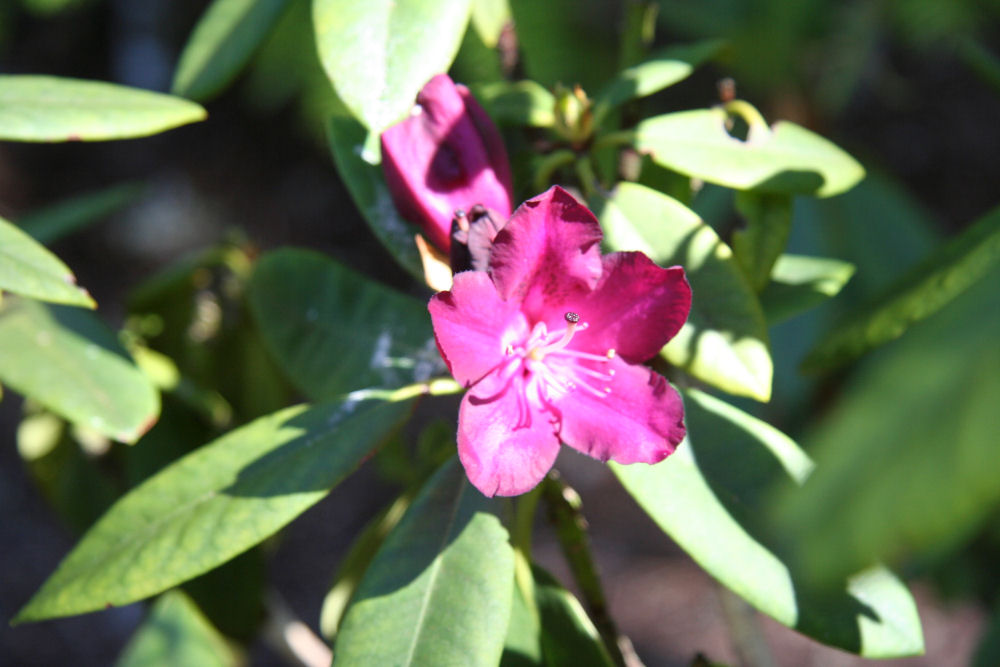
550	341
447	156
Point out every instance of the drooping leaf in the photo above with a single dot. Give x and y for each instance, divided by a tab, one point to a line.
798	283
48	108
757	246
568	635
919	293
334	331
489	17
359	168
226	35
907	456
439	591
710	496
380	53
57	221
28	269
517	103
724	341
214	503
660	71
176	633
70	362
788	159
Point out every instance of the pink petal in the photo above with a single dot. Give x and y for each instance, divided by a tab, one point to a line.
473	326
495	150
636	307
502	457
547	253
640	420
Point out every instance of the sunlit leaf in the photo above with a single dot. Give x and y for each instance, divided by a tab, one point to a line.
787	159
762	239
517	103
489	17
439	591
333	330
380	53
798	283
226	36
523	644
213	504
660	71
70	362
48	108
709	497
919	293
724	341
28	269
176	633
568	635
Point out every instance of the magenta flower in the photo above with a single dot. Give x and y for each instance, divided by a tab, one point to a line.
447	156
550	341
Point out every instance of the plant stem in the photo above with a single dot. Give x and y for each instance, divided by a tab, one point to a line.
744	630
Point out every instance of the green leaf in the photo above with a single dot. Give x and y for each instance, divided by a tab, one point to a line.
334	331
439	591
48	108
523	644
709	496
213	504
59	220
908	454
489	17
568	635
798	283
787	159
380	53
176	633
358	166
724	341
70	362
664	69
517	103
759	244
226	36
920	293
28	269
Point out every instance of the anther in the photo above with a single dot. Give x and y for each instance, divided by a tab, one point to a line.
572	317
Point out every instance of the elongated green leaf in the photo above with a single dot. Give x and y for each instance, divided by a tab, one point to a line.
334	331
523	644
48	108
489	17
226	36
568	635
214	503
359	169
380	53
798	283
660	71
63	218
724	341
439	592
788	159
176	633
70	362
709	497
27	268
761	241
518	103
918	294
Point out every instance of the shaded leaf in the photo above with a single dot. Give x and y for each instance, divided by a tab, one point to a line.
213	504
70	362
334	331
568	635
176	633
919	293
380	53
48	108
28	269
221	43
660	71
489	17
709	496
798	283
768	220
439	590
724	341
517	103
523	644
63	218
787	159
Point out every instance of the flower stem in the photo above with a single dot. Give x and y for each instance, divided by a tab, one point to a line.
588	179
434	387
748	113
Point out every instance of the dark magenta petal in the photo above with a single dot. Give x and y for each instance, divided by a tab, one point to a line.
473	325
636	307
445	156
506	446
639	421
548	253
